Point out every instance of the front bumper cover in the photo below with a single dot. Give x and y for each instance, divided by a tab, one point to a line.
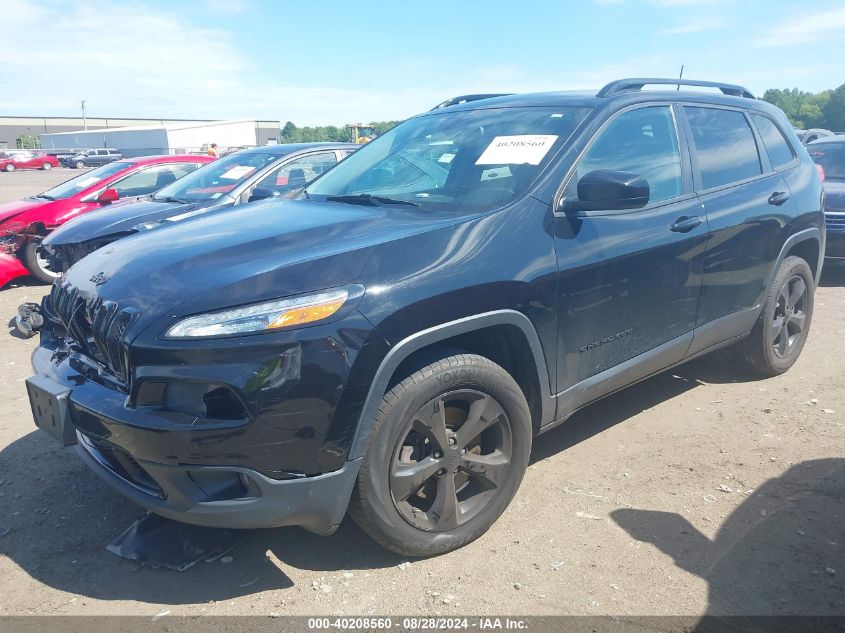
208	495
10	268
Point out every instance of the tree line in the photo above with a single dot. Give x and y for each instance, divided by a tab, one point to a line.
290	133
806	110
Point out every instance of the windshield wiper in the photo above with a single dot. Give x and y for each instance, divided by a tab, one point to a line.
369	199
171	199
43	197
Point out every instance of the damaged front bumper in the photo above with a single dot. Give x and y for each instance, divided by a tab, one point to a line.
213	496
11	268
198	473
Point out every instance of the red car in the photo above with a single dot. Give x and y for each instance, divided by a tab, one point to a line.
24	223
10	161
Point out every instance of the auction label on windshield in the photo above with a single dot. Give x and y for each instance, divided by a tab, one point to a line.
517	150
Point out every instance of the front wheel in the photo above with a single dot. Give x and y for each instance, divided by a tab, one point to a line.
41	264
784	323
448	450
10	168
80	164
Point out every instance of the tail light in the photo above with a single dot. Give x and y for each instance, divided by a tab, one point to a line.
820	169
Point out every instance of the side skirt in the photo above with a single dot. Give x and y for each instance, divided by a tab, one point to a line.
708	338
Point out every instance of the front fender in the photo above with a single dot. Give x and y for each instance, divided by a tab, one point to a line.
403	349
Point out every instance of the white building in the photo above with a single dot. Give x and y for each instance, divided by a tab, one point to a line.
171	138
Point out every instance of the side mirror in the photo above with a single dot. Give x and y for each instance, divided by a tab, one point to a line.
108	196
262	193
605	189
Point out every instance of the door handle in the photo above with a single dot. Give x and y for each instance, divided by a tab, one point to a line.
685	224
778	198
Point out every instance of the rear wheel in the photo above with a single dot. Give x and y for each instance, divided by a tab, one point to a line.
46	166
447	453
784	323
41	264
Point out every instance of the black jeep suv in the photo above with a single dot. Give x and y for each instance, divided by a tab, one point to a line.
392	340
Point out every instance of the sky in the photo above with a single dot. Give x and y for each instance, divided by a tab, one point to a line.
334	62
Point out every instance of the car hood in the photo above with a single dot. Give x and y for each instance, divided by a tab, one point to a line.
118	219
834	195
249	253
11	209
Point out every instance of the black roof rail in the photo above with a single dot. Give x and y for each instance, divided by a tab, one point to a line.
633	85
468	98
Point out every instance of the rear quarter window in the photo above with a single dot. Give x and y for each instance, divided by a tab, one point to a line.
724	146
777	147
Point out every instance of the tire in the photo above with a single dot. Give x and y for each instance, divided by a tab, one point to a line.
10	168
38	265
79	164
779	335
46	166
485	469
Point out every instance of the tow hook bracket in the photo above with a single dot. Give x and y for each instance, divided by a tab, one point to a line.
29	319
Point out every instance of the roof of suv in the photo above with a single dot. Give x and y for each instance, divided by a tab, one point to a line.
622	90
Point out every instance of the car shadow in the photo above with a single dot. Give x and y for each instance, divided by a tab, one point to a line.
782	552
716	368
58	518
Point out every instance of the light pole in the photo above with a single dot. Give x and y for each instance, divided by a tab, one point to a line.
84	120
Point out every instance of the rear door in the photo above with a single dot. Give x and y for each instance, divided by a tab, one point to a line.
628	280
748	204
102	156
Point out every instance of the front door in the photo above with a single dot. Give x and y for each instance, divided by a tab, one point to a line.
629	280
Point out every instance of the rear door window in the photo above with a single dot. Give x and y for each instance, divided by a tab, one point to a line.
724	146
777	147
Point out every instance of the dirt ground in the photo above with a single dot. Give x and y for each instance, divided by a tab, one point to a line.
702	490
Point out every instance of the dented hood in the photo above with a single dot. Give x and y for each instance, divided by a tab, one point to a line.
9	210
245	254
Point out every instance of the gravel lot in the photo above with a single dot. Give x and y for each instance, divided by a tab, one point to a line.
702	490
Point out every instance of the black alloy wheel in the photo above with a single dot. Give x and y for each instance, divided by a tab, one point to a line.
452	461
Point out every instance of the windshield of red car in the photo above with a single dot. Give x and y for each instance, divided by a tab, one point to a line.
216	179
84	181
831	156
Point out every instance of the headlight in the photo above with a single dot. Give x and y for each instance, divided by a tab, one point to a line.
261	317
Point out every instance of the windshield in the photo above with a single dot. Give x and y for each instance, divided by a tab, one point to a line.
83	181
831	156
218	178
463	161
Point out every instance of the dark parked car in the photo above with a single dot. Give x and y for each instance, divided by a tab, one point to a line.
829	154
808	136
393	339
246	176
91	158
